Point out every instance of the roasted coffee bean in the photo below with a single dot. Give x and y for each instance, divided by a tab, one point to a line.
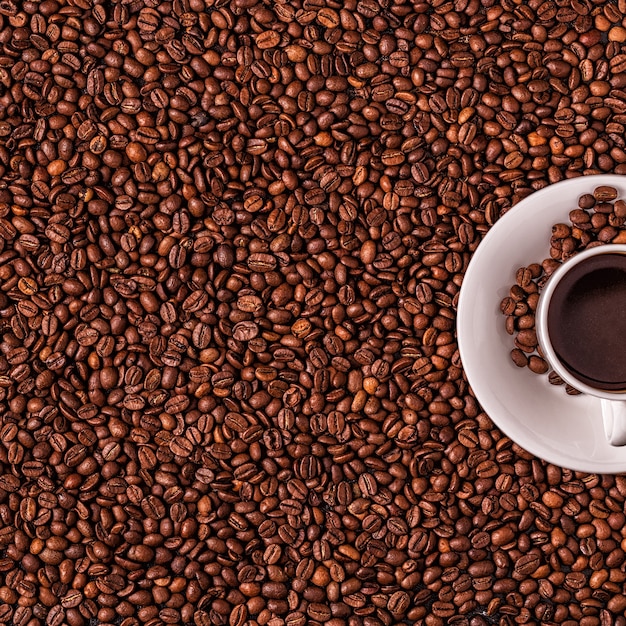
232	237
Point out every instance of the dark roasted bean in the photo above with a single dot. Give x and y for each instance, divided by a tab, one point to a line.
232	237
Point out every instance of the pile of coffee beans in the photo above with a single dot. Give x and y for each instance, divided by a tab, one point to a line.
232	237
599	218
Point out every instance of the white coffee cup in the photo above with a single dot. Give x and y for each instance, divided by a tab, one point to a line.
613	403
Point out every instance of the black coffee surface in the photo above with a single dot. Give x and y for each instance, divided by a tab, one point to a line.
587	321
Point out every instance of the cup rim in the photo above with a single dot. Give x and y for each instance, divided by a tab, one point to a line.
541	322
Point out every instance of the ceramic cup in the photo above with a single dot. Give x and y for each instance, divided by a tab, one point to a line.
613	401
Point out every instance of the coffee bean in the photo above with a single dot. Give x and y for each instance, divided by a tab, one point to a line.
604	193
537	364
231	245
527	564
268	39
519	358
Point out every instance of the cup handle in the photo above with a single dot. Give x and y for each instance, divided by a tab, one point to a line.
614	418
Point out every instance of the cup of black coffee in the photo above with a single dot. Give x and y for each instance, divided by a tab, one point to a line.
581	328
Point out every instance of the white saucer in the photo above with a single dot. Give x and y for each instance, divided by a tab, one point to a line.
540	417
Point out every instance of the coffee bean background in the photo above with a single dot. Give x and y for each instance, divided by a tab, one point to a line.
232	236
